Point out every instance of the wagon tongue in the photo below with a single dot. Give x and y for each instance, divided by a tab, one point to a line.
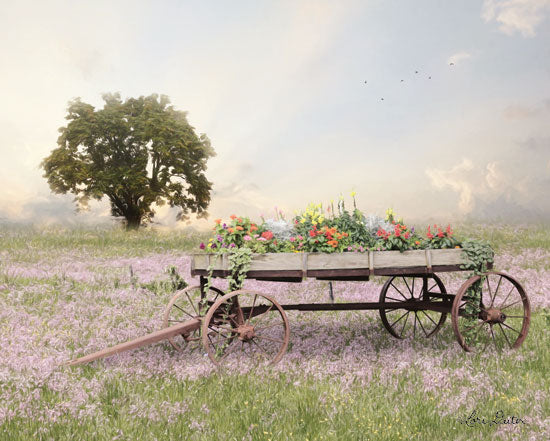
181	328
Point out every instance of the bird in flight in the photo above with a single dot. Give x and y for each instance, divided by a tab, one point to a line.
365	81
429	78
402	80
381	99
415	71
451	64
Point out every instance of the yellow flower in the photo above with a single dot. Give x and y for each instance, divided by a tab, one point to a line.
353	193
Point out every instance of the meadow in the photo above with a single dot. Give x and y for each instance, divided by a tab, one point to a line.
68	292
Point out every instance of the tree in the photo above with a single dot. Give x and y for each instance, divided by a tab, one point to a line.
137	152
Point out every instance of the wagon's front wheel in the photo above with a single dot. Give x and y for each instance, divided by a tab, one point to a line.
491	310
247	327
187	304
406	296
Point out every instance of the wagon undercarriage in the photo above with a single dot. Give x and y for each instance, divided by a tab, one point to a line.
489	310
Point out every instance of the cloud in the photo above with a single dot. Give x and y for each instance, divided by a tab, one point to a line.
458	57
457	179
510	188
516	15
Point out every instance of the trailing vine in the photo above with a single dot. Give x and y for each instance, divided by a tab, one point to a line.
239	264
478	254
239	261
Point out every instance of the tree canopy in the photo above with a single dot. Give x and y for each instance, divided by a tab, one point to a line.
138	153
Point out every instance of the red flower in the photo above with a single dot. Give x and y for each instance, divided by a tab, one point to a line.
312	233
267	235
407	235
233	216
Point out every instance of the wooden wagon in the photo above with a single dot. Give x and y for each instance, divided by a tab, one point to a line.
492	309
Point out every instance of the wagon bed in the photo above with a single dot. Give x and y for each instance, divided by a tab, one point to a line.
295	267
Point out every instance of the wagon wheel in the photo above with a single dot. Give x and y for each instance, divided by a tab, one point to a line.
492	309
402	322
185	305
247	326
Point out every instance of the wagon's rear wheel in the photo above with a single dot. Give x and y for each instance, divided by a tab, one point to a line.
247	327
403	321
185	305
491	311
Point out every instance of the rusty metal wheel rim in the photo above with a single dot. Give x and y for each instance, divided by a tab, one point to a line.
184	305
493	324
396	321
236	318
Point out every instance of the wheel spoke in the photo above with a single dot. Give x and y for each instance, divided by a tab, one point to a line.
391	298
192	303
407	285
405	313
427	315
405	323
257	344
505	336
509	327
504	302
496	291
263	315
414	325
252	309
422	327
391	283
184	311
511	304
489	289
473	326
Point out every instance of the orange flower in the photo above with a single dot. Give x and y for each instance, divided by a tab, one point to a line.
233	217
417	242
231	230
239	220
333	243
218	221
238	227
253	227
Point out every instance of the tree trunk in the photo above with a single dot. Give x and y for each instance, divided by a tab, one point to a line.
133	222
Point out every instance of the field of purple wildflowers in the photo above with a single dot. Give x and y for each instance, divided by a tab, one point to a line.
65	293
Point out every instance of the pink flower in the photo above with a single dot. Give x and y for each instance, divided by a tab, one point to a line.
247	237
263	239
292	239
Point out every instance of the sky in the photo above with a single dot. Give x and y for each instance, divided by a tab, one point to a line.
452	123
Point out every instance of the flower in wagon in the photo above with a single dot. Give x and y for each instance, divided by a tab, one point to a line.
202	246
247	237
238	227
233	217
218	221
268	235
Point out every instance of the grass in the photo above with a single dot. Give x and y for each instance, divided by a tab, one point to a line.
271	404
277	406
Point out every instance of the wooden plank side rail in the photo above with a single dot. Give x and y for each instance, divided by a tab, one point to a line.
163	334
302	265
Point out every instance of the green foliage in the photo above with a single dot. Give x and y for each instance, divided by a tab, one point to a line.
239	264
478	255
137	152
354	225
173	284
